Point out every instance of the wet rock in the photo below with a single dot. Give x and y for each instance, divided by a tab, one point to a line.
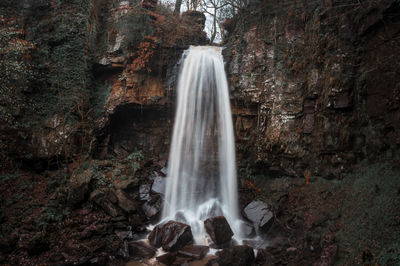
218	229
175	235
141	250
195	252
155	236
259	214
125	202
144	192
167	258
237	255
159	185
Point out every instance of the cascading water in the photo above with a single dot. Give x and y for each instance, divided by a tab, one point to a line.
201	170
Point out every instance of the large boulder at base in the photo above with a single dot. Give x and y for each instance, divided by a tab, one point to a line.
155	236
259	214
195	252
218	229
175	236
237	255
141	250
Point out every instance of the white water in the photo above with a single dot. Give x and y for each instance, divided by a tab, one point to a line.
202	170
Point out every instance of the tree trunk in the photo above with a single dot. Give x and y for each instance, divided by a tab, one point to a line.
178	4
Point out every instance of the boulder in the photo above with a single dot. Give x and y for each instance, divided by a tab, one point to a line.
175	235
259	214
141	250
195	252
155	236
218	229
237	255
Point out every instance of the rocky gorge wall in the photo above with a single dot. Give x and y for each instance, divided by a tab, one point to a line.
69	66
315	85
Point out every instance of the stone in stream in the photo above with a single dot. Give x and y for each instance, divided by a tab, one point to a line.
141	250
155	236
259	214
175	236
218	229
195	252
237	255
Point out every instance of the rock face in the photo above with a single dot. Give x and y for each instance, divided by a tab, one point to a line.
309	91
259	214
218	229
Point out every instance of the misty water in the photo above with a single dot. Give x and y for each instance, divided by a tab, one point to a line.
201	175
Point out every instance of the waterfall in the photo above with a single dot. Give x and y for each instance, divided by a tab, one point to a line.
201	175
